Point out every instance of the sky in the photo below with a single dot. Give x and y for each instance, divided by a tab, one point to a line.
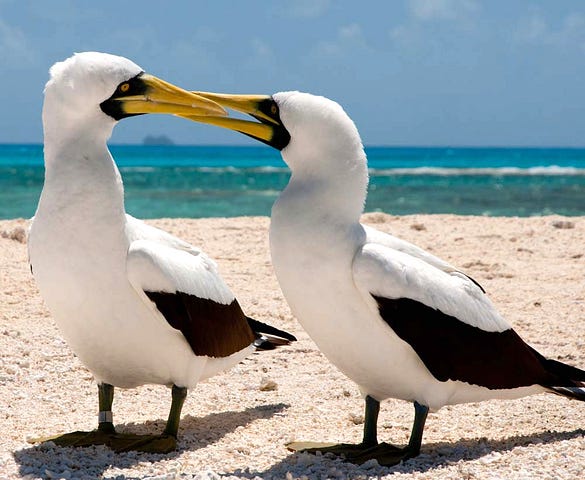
409	72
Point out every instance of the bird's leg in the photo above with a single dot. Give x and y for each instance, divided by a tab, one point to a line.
385	453
106	398
179	394
420	417
105	431
124	442
389	455
371	422
369	441
165	443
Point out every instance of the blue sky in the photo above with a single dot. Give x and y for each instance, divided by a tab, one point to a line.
409	72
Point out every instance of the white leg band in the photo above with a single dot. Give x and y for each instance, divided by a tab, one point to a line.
105	417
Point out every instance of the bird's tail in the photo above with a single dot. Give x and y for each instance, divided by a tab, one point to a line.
269	337
576	393
569	380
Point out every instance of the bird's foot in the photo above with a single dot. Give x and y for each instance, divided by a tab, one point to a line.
334	448
126	442
76	439
385	454
119	442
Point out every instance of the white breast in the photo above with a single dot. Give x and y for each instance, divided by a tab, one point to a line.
314	268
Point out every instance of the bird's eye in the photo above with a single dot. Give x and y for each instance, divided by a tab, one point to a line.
273	109
124	87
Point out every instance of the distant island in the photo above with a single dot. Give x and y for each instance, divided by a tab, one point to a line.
157	140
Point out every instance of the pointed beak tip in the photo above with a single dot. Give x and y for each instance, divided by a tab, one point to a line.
222	111
209	107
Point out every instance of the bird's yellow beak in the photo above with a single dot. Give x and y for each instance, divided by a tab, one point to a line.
148	94
268	128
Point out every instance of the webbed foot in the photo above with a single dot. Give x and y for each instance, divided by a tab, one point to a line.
344	449
76	439
143	443
385	453
119	442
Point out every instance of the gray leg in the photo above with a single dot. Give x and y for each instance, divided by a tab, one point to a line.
387	454
106	398
167	442
371	422
179	394
420	417
124	442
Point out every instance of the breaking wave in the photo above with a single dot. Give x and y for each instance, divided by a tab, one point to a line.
552	170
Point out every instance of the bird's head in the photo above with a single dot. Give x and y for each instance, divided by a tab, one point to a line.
93	89
312	132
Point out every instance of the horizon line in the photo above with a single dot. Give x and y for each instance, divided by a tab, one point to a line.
244	145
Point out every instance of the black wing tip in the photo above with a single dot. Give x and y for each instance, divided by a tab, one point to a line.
269	337
476	282
269	332
268	342
262	344
567	375
574	393
265	343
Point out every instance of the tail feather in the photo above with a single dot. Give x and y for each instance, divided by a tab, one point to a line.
567	380
563	370
269	337
267	342
577	393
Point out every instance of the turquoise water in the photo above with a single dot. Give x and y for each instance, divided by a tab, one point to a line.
214	181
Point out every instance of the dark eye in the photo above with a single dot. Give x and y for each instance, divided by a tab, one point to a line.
273	109
124	87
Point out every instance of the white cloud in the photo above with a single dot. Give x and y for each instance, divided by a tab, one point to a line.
536	29
67	12
353	31
261	48
128	41
406	35
306	8
349	37
205	34
428	10
532	29
261	57
413	34
14	46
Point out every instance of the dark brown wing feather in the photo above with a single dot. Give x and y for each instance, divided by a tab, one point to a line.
212	329
453	350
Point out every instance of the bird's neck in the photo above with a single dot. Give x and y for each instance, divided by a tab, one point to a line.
332	189
80	175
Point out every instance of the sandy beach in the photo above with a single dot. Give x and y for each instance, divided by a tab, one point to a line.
236	424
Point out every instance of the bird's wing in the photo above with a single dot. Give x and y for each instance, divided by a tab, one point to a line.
395	243
187	290
448	321
138	230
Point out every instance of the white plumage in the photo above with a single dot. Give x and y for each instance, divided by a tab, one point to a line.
331	268
397	320
105	275
392	273
158	267
86	252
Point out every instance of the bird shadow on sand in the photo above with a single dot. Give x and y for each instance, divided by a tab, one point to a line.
433	456
47	460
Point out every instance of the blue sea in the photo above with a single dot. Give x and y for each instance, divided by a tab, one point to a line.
226	181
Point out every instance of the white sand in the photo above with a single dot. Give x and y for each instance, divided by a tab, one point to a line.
534	271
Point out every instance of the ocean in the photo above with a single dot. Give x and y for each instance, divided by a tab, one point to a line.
227	181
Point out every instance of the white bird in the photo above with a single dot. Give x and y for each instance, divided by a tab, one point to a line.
136	304
397	320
